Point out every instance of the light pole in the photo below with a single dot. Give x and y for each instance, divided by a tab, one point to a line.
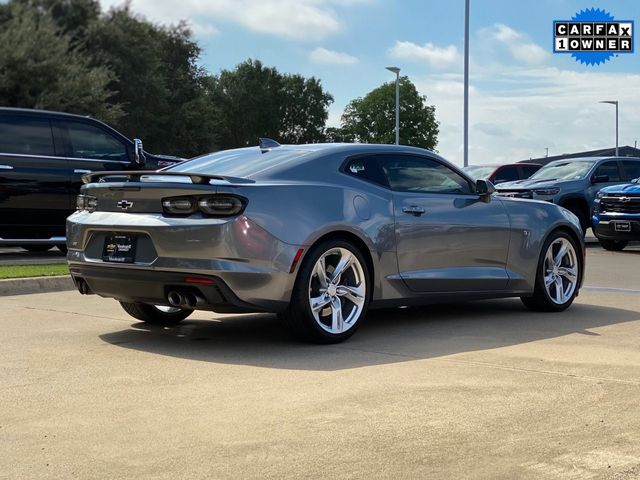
396	70
614	102
466	83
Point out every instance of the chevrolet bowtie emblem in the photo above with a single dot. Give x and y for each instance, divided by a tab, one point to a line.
625	199
124	204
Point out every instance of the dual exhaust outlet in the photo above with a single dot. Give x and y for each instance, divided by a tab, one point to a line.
187	300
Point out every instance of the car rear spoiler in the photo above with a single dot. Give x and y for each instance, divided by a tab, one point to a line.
136	176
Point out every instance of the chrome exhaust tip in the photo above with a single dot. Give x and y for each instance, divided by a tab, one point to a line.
175	299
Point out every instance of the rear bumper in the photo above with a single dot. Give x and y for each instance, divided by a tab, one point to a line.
605	227
250	266
153	286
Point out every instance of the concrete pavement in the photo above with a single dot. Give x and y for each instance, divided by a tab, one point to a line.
480	390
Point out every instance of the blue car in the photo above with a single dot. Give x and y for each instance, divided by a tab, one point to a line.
616	215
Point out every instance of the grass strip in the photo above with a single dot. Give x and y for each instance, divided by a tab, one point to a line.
22	271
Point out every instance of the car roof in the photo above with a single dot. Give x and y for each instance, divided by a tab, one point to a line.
498	165
42	112
591	159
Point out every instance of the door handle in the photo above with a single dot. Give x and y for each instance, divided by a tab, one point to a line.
80	170
6	167
413	210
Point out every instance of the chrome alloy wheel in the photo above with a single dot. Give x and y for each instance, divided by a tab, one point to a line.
337	290
560	271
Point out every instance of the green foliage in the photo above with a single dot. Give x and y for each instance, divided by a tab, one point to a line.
158	82
257	101
144	79
304	111
40	69
371	119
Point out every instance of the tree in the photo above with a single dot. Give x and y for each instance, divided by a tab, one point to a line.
248	99
39	68
304	111
158	82
257	101
372	119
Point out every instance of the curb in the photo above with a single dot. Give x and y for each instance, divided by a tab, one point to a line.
25	286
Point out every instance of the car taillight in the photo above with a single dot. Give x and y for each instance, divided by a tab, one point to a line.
224	206
211	205
179	206
86	203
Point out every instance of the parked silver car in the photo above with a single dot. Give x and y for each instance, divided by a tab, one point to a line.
316	233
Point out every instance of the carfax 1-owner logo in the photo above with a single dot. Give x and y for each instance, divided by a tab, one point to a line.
593	36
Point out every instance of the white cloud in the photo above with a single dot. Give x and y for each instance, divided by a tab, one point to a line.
204	29
519	46
439	57
295	19
524	110
322	55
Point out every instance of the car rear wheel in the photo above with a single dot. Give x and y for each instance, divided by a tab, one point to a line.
558	275
613	245
331	294
156	314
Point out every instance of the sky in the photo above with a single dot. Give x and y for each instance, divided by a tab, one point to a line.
523	98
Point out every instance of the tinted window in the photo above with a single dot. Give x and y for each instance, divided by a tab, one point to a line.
243	162
88	141
610	169
367	168
631	169
507	174
26	136
528	171
416	174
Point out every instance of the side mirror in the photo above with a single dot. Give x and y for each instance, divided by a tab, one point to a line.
138	152
484	188
600	179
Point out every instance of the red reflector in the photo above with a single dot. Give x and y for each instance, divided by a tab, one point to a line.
295	260
201	281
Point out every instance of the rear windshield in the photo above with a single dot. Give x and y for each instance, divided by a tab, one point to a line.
563	171
244	162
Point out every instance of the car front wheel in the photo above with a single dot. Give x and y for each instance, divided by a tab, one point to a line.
613	245
331	294
558	275
156	314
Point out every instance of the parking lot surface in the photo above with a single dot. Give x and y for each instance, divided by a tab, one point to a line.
477	390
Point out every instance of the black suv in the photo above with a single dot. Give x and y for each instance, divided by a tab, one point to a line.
43	156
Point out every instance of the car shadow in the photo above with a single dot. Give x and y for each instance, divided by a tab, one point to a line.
386	336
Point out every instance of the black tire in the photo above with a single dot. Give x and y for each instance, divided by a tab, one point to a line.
152	315
299	317
582	217
37	248
62	247
541	300
613	245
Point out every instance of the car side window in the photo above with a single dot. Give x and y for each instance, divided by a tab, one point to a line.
91	142
631	169
367	168
507	174
406	173
610	169
26	136
528	171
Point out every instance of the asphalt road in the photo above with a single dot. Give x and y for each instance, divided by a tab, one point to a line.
478	390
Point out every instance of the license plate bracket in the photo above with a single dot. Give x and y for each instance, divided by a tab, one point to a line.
622	226
119	248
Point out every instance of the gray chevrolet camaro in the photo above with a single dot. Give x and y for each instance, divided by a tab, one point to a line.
318	234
